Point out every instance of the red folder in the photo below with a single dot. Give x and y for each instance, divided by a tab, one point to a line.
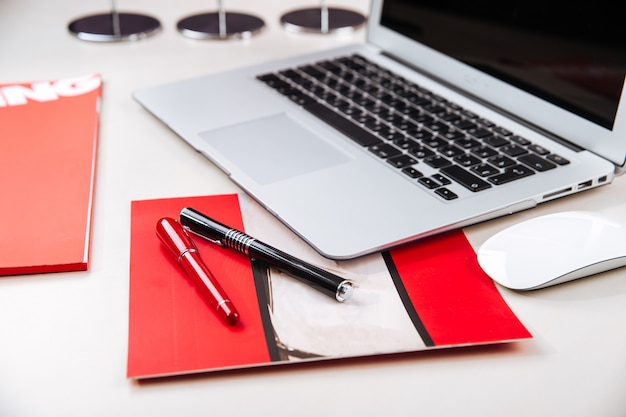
48	146
430	294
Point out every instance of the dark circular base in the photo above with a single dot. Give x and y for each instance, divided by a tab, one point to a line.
207	26
106	28
310	20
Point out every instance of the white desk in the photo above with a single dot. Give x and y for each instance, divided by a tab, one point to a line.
63	337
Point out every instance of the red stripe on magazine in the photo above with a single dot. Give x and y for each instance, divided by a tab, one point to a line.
456	302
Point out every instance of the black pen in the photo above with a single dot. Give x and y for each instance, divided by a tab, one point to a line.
330	284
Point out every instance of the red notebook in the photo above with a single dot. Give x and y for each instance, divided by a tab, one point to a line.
48	145
430	294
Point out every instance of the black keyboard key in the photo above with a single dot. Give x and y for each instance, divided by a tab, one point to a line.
536	162
557	159
445	193
484	152
465	178
364	101
353	131
292	75
521	140
421	151
502	131
484	170
376	125
299	98
485	122
436	126
330	66
284	88
435	108
511	174
495	141
464	124
406	125
312	71
452	134
443	180
469	114
383	96
404	142
450	151
429	183
318	91
466	160
412	172
402	161
513	150
437	161
478	132
391	134
326	95
434	142
538	149
363	117
420	134
391	117
270	79
345	90
449	117
466	143
337	102
416	99
384	150
419	117
353	63
288	90
501	161
349	110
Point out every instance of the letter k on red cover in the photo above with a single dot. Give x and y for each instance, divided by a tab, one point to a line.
429	294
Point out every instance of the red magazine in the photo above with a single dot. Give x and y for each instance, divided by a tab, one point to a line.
48	146
427	295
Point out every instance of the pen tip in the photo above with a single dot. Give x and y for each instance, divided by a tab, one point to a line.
345	291
233	319
228	312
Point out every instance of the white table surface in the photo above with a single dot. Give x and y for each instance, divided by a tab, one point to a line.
63	337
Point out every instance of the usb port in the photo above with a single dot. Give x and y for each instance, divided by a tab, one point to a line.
584	184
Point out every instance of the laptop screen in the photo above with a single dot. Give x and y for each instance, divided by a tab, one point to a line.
572	54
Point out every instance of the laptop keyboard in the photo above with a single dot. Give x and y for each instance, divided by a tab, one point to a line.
424	136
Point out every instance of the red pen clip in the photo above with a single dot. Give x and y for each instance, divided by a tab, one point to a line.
181	247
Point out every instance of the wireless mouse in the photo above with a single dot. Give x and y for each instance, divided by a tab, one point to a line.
553	249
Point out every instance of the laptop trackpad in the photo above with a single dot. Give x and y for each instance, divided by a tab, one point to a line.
274	148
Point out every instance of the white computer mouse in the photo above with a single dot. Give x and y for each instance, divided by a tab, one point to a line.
553	249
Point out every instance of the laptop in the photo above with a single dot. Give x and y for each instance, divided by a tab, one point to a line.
450	114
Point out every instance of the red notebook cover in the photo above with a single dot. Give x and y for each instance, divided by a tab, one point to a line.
171	329
48	146
430	294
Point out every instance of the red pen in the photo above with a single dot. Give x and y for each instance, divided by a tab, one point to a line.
182	248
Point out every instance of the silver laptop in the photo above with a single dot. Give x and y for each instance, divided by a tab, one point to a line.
450	114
